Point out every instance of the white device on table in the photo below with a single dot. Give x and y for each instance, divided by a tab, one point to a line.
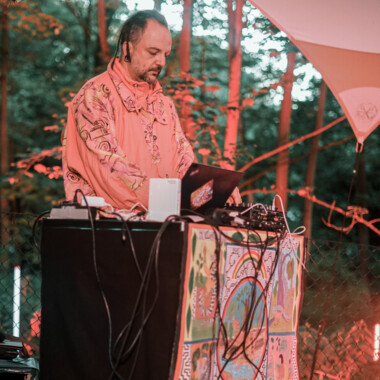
164	198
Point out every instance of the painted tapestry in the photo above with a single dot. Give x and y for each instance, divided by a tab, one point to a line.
240	305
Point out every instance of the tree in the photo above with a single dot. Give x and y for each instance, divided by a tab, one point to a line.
102	23
4	111
235	22
308	206
184	64
52	68
4	103
185	37
83	14
282	170
157	5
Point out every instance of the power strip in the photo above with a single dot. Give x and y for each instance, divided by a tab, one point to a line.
71	212
93	201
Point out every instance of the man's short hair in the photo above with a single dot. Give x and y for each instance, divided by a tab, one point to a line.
135	26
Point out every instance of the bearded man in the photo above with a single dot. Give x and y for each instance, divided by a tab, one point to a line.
121	129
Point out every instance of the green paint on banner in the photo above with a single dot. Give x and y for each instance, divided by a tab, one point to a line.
254	238
191	280
188	319
238	236
194	243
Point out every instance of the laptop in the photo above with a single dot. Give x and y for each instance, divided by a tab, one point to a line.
206	187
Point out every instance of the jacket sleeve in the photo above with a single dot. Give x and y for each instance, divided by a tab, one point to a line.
91	150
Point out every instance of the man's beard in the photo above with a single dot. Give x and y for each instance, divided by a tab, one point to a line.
148	76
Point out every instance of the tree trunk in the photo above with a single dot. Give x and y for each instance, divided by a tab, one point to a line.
84	21
185	37
4	75
184	64
88	42
235	21
282	169
102	22
157	5
4	112
308	206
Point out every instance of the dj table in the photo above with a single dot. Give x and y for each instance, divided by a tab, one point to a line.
197	302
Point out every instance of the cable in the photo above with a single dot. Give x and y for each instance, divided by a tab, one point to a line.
231	351
252	310
303	228
125	351
98	280
126	230
255	205
127	345
127	213
253	306
36	221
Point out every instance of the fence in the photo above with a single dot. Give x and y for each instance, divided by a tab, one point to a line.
20	280
343	298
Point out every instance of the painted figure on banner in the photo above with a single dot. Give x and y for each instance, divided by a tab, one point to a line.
282	311
239	348
205	297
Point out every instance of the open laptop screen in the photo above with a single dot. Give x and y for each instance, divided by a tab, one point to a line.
206	186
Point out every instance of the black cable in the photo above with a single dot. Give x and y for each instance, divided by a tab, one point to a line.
126	230
140	308
254	304
249	317
125	351
135	258
250	314
212	221
98	280
36	221
157	244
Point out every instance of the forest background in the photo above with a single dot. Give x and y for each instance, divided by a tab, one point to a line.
247	99
242	90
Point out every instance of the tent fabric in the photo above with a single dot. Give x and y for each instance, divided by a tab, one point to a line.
340	38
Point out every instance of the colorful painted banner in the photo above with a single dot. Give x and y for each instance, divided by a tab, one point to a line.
240	305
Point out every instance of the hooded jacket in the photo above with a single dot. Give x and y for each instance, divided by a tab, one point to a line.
120	133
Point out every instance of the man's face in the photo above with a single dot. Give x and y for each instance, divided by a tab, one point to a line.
148	54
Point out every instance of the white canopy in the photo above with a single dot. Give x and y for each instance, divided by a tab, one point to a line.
341	38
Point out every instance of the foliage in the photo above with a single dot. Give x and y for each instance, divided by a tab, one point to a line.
48	64
345	354
54	49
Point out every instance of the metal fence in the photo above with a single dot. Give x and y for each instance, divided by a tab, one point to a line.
20	280
341	304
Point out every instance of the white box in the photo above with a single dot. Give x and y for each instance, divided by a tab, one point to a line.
164	198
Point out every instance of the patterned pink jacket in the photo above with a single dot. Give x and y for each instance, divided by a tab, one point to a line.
119	134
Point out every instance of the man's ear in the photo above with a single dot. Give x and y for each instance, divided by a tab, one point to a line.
131	48
124	49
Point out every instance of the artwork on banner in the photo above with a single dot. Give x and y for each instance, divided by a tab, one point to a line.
240	306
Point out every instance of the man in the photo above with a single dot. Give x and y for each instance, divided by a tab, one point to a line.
121	130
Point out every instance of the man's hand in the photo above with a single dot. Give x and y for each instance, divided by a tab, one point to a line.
235	197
